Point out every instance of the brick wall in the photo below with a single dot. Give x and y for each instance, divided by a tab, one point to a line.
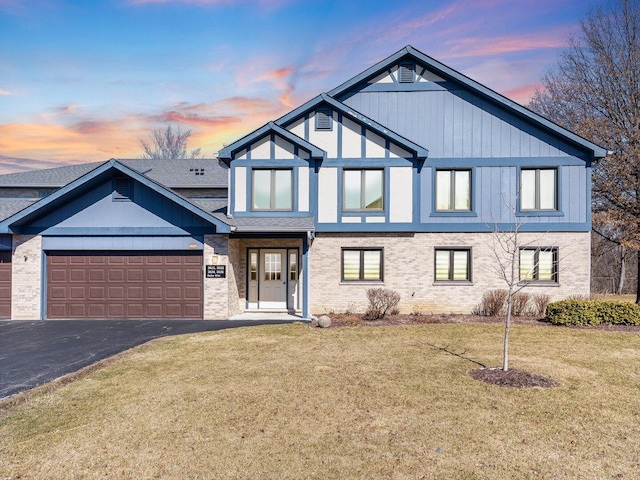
409	270
26	284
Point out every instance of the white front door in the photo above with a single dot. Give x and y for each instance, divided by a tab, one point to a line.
273	284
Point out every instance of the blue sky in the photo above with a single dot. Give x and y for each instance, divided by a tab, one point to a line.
84	80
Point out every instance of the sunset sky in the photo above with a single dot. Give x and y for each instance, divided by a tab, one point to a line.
82	81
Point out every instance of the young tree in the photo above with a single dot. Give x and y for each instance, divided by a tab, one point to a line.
168	144
505	250
595	91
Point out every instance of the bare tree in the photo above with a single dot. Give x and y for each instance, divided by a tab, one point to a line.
595	91
505	250
168	144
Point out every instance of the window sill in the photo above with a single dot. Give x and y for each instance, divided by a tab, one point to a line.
456	283
538	284
453	213
540	213
361	282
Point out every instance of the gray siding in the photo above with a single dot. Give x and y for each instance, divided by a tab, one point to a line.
97	210
458	124
495	192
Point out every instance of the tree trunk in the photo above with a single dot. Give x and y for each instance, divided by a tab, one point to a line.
638	280
507	324
623	272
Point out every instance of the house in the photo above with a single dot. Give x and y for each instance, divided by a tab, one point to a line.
396	178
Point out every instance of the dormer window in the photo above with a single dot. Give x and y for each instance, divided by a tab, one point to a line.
406	72
324	119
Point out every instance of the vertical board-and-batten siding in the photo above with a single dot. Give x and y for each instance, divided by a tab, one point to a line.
457	124
495	191
97	209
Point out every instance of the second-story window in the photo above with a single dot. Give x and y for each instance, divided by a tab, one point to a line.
453	190
272	189
363	190
538	189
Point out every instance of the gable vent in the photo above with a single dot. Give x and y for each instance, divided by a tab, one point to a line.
122	189
406	72
323	119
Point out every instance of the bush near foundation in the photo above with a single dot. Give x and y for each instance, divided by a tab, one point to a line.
593	312
381	302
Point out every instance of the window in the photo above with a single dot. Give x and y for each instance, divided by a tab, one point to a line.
453	190
293	266
272	189
324	119
453	265
272	266
538	189
362	264
539	264
253	267
363	190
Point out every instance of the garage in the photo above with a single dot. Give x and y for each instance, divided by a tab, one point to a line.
5	284
124	285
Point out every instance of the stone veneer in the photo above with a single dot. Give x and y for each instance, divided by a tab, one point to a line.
26	278
409	270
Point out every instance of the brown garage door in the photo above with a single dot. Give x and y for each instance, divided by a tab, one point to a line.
124	285
5	284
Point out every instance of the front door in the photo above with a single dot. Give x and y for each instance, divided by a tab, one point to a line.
273	278
273	285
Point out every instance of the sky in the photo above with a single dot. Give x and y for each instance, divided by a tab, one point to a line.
83	81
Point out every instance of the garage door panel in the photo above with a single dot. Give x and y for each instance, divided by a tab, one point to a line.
135	292
58	293
116	274
116	310
136	285
77	275
154	275
173	292
173	274
135	310
77	293
78	310
98	293
154	310
58	274
192	292
115	293
135	275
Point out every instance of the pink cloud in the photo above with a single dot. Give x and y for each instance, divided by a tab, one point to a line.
523	94
5	92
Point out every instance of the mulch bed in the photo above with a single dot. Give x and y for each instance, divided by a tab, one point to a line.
511	378
355	320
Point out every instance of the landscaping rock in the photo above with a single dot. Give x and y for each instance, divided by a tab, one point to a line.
324	321
313	321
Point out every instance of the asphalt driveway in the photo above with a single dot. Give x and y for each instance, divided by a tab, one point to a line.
35	352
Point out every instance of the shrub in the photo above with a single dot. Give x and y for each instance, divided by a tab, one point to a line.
539	303
381	301
519	303
593	312
491	303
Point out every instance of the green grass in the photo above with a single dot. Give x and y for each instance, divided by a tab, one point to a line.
353	403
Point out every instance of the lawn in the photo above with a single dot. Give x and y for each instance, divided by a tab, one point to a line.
292	402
